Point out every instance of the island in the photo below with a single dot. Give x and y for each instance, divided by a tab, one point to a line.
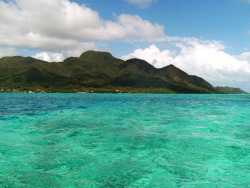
96	72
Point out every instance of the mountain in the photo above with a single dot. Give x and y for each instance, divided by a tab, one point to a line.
230	90
96	71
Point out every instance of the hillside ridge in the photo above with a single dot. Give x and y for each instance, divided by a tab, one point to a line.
230	90
96	71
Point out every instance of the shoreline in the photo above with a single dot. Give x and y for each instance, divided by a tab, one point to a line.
125	93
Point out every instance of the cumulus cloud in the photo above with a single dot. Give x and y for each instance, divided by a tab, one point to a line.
49	56
141	3
61	24
153	55
206	59
138	29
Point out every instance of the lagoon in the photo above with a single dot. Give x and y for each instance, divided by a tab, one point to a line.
124	140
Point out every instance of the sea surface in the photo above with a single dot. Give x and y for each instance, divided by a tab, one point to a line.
124	140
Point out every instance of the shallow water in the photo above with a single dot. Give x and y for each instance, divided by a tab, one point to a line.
124	140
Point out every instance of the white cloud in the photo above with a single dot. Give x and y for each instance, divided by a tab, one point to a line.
50	25
244	56
141	3
137	29
153	55
8	52
49	56
206	59
79	49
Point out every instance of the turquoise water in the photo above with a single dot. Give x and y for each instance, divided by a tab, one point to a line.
124	140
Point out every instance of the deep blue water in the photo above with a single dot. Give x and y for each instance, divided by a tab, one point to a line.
124	140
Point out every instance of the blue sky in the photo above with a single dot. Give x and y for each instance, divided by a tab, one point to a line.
222	20
208	38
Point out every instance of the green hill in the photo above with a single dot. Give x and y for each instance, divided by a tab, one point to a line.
230	90
97	72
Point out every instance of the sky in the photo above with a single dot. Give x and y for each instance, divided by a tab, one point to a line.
207	38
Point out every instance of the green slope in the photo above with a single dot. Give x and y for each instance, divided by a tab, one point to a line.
230	90
97	71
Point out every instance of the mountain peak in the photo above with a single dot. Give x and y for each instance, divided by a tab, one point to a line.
139	63
99	71
92	53
172	71
171	66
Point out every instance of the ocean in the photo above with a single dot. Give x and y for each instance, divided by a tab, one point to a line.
124	140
